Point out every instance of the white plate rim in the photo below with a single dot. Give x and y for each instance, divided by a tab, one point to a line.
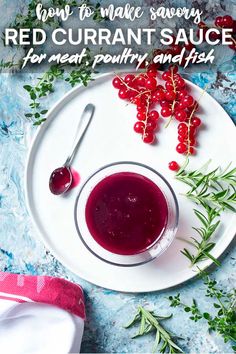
205	264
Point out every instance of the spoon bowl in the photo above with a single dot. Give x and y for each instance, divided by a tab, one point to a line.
61	178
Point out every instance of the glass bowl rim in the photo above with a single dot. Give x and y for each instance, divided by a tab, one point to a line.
124	163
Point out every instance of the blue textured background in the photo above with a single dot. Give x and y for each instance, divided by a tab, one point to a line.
21	252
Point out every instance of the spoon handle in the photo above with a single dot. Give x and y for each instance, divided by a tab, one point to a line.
82	127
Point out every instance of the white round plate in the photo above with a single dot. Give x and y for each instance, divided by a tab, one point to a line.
110	138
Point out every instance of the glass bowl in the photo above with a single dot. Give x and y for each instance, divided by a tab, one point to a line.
156	248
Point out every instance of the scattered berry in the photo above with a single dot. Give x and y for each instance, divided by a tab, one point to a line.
173	166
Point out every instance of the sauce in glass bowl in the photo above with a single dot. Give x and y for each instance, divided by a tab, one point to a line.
126	213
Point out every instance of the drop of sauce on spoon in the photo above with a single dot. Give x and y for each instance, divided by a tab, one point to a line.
60	180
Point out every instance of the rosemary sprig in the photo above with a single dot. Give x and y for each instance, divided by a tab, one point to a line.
214	192
213	178
224	321
214	188
209	225
149	322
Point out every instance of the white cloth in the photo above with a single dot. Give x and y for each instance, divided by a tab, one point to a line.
35	328
50	320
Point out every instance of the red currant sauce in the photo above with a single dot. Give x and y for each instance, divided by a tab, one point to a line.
126	213
75	179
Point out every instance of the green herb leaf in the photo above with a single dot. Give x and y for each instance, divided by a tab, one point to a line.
149	323
224	322
214	192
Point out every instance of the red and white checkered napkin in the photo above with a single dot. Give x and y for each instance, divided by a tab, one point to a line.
40	314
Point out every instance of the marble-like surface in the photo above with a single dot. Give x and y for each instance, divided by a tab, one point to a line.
22	252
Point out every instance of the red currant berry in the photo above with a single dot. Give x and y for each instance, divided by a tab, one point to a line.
182	139
183	133
166	75
189	46
219	21
213	36
151	71
151	83
183	126
153	115
176	49
142	65
159	95
140	81
141	106
173	166
179	106
164	103
180	83
181	148
123	93
227	21
187	101
141	115
169	85
201	24
139	127
151	126
181	116
170	95
148	138
166	112
182	94
153	66
196	122
117	83
191	150
132	94
136	100
129	79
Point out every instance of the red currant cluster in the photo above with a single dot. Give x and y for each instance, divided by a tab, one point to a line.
174	99
222	22
139	90
179	104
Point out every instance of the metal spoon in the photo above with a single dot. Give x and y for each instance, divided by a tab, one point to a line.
61	178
